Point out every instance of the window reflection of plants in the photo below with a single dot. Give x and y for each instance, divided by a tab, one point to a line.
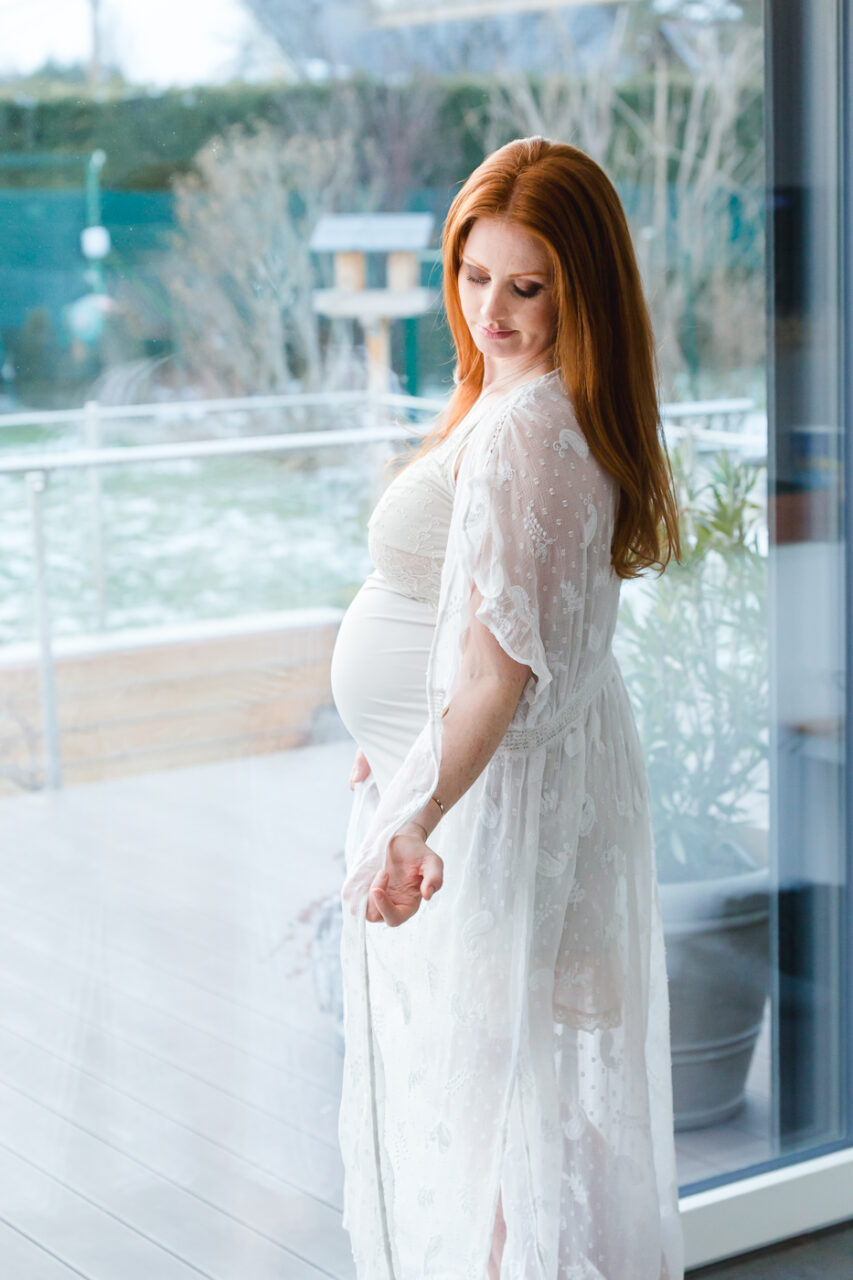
693	644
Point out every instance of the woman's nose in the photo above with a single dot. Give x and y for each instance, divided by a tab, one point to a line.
491	306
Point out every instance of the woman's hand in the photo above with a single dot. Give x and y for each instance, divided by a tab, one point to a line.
360	769
412	872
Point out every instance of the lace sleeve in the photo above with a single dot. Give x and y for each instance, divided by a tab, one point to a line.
529	514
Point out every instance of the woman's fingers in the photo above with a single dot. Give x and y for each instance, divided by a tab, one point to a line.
396	894
360	769
391	914
432	874
395	901
375	895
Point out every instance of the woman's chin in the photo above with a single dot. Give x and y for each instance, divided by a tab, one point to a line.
499	348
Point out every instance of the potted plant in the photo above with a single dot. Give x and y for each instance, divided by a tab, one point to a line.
693	647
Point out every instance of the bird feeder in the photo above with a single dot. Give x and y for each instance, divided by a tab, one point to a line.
399	238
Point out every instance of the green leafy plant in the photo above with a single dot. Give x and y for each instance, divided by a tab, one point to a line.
693	646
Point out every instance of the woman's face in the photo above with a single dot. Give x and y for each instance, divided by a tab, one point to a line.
507	291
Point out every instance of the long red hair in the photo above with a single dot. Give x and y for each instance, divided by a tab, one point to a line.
604	343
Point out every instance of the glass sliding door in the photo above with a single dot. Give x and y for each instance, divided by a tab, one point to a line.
795	1172
809	573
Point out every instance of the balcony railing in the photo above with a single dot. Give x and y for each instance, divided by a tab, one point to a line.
691	421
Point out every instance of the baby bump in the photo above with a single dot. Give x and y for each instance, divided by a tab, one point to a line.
378	673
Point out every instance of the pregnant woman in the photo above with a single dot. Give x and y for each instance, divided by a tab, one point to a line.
507	1105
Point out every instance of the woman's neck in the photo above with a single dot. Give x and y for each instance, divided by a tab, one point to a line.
500	382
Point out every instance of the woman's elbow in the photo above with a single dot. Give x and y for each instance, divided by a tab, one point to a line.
503	682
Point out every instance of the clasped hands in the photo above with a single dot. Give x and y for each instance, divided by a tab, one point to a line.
412	870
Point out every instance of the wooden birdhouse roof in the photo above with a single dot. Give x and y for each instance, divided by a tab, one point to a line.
372	233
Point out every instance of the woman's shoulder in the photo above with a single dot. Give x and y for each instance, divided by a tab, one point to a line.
532	425
539	428
544	399
541	410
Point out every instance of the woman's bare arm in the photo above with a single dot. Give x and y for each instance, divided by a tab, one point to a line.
489	687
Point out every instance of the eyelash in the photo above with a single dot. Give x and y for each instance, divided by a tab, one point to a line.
521	293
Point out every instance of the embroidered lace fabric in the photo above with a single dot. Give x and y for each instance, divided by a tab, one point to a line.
407	530
514	1034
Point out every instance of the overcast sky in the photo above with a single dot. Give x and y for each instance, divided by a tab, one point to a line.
158	42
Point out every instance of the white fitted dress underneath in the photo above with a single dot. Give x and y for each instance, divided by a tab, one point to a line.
512	1036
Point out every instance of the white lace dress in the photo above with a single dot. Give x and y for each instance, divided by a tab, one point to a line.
512	1036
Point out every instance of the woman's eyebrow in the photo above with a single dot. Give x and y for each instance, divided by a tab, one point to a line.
471	263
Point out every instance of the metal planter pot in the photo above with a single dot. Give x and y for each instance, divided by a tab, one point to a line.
717	937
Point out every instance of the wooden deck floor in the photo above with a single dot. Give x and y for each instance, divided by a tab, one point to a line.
168	1085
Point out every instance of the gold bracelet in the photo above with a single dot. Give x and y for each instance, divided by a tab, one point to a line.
438	802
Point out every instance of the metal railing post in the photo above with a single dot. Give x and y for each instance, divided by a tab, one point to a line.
93	441
36	483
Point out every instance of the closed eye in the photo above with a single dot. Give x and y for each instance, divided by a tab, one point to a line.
522	293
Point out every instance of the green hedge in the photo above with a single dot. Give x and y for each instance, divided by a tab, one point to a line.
149	138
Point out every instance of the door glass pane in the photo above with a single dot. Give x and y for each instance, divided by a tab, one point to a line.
808	580
738	656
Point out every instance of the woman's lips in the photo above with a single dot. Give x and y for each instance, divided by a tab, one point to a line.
496	333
